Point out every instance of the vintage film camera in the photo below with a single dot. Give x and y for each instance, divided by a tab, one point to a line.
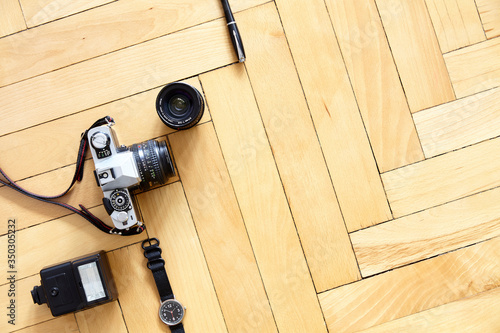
121	170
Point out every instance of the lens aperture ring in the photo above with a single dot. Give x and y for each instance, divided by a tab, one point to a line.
153	163
154	167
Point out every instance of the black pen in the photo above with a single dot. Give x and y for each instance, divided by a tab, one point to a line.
233	31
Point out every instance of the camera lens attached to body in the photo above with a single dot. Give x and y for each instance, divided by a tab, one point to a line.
123	171
154	163
179	105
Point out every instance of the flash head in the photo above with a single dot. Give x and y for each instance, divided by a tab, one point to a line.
180	105
76	284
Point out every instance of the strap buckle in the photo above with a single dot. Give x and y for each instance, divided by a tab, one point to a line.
152	242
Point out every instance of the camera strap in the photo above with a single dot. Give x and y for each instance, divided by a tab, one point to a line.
83	212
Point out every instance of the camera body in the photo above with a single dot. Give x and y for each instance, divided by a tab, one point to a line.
121	170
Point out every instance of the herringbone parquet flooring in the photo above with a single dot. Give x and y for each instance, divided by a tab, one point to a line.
345	178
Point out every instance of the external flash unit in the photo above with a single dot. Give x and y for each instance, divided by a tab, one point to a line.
75	285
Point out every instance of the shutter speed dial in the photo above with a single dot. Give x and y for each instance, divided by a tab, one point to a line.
120	201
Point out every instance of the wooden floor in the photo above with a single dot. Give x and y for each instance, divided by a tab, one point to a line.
345	178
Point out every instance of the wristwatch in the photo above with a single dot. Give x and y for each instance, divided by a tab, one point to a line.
171	310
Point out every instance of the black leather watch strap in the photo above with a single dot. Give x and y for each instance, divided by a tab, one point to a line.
177	328
157	265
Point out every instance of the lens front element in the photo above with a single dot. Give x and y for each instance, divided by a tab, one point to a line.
178	104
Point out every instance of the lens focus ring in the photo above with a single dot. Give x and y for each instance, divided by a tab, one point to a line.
153	163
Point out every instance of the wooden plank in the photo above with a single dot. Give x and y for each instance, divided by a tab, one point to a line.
103	318
459	123
413	288
66	324
221	230
47	151
470	73
11	18
249	157
429	233
265	209
169	219
456	22
137	290
109	28
292	134
489	10
443	178
135	69
42	11
474	314
416	52
29	212
376	83
53	242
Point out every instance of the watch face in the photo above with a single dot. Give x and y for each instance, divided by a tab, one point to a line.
171	312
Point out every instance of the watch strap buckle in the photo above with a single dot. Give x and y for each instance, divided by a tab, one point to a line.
152	242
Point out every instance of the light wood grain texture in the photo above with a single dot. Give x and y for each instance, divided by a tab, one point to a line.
220	227
64	324
137	292
55	144
460	123
469	73
489	10
53	242
288	125
103	318
474	314
109	28
429	233
29	212
257	184
378	89
169	219
416	52
312	138
266	213
42	11
443	178
27	313
413	288
11	17
456	22
135	69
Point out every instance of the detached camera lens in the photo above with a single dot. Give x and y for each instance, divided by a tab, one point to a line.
154	163
179	105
